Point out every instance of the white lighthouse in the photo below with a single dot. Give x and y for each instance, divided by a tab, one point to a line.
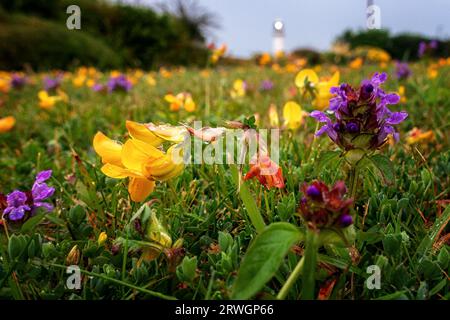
373	15
278	37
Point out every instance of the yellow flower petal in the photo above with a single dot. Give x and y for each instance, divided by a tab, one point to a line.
109	150
334	81
140	189
119	172
306	74
189	104
43	95
135	154
293	115
142	132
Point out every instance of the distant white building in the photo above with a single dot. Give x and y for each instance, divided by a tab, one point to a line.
278	37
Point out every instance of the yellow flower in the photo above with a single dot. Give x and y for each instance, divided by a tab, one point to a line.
165	73
273	116
181	100
418	136
402	94
79	80
378	55
90	83
238	89
7	123
138	159
306	77
293	115
151	81
47	102
189	104
265	59
176	102
5	83
115	74
323	94
218	53
432	72
356	63
102	238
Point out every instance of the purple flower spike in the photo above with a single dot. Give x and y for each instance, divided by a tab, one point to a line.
353	112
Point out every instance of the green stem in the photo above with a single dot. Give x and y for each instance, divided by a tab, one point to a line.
309	269
291	280
249	202
353	181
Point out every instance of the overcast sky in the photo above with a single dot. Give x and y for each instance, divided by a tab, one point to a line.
246	25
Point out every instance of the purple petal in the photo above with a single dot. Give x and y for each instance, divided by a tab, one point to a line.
392	98
396	117
319	116
47	206
43	176
41	191
322	130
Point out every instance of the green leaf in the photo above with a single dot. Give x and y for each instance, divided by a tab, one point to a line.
32	222
326	158
263	258
309	269
186	271
384	166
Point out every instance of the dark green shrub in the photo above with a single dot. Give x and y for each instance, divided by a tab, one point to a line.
43	45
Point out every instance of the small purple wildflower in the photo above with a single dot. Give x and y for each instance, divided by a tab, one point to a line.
427	47
19	203
17	206
18	81
98	87
119	83
52	83
402	70
266	85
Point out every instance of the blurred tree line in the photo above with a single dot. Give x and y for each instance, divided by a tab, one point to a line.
403	46
34	33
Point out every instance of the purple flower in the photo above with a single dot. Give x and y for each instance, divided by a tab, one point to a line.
427	48
266	85
18	81
119	83
402	70
325	207
362	119
98	87
17	206
19	203
41	191
422	49
52	83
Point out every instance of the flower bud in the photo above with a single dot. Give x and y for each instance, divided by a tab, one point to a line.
74	256
102	238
